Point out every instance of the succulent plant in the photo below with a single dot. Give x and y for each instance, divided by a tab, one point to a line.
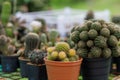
62	52
36	56
96	39
3	44
11	50
31	43
62	46
53	36
116	19
90	15
6	12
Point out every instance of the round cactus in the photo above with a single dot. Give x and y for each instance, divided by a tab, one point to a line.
92	34
96	25
105	32
81	44
84	35
90	43
82	52
75	36
62	46
31	42
36	56
106	52
112	41
95	52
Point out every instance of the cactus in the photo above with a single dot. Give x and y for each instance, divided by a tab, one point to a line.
100	41
95	52
90	15
90	43
75	36
11	49
36	57
2	31
6	12
106	52
84	35
70	42
62	46
96	25
31	42
81	44
96	39
82	52
3	44
53	36
105	32
112	41
92	34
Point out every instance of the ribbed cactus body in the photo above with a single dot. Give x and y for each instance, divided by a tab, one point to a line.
6	12
31	42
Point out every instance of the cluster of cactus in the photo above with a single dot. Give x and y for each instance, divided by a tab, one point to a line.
116	19
96	39
36	57
62	52
6	12
31	43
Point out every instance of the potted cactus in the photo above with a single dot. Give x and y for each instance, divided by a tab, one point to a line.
96	41
36	66
31	43
62	63
9	60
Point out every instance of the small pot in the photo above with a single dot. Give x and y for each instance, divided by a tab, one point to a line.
57	70
37	72
9	63
23	66
96	69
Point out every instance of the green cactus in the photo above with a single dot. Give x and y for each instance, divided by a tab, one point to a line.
95	52
112	41
6	12
11	50
71	43
9	31
90	15
75	36
116	51
84	35
43	38
106	53
83	28
53	36
96	25
81	44
62	46
82	52
111	27
105	32
90	43
92	34
36	57
100	41
31	42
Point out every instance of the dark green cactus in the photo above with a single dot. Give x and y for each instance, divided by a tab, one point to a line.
90	15
31	42
75	36
92	34
3	44
105	32
6	12
106	53
36	57
84	35
95	52
112	41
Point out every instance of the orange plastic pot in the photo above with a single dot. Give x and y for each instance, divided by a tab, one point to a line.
63	70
